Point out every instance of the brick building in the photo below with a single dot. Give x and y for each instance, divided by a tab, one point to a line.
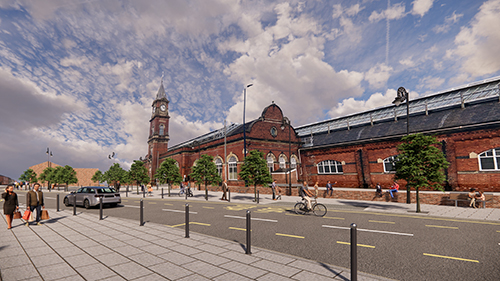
83	175
355	150
4	180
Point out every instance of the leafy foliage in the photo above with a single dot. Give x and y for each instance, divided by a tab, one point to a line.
255	171
66	175
168	172
28	175
97	177
48	175
138	173
205	171
420	163
114	173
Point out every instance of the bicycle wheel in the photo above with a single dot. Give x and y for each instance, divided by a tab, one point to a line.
181	193
299	208
319	210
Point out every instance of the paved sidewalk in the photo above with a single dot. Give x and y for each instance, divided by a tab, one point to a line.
81	247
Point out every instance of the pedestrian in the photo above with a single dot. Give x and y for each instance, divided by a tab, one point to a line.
117	186
10	205
394	188
34	200
224	190
378	191
480	196
472	197
316	190
273	187
329	189
150	189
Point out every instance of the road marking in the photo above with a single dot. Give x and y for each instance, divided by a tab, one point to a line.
237	228
498	230
391	222
178	211
49	198
295	215
208	207
271	210
288	235
254	219
168	204
197	223
359	245
440	226
370	230
334	218
447	257
151	202
130	206
239	207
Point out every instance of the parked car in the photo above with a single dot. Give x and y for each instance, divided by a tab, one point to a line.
90	196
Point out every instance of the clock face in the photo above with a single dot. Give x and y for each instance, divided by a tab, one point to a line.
274	131
163	107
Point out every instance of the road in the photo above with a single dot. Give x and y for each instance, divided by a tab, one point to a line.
403	247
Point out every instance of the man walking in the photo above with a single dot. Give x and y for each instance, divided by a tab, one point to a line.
273	187
34	200
224	190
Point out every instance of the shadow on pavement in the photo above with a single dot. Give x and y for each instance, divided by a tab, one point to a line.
337	274
371	205
53	220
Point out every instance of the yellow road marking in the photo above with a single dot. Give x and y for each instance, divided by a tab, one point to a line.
288	235
452	258
271	210
168	204
237	228
175	225
181	224
239	207
359	245
414	217
391	222
498	230
151	202
295	215
334	218
440	226
208	207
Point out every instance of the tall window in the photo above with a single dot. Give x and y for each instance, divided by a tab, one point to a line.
162	129
330	167
293	163
218	164
270	163
490	160
282	160
233	168
390	164
153	130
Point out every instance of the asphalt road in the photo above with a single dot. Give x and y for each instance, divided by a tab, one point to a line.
403	247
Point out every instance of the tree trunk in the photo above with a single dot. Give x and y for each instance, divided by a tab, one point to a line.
418	200
255	193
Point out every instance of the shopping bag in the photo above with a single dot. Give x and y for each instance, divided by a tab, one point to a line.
17	215
45	215
32	217
26	215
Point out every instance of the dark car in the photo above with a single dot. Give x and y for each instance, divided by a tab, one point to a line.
90	196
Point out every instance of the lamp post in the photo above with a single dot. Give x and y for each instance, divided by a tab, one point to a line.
244	127
402	96
287	121
197	143
49	154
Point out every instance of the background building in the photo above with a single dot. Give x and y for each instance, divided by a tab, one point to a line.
83	175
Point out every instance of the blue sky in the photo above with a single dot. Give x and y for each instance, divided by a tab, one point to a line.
80	76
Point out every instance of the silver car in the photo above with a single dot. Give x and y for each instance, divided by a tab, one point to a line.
90	196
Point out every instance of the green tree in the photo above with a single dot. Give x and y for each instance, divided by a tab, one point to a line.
97	177
66	175
168	172
255	170
138	173
114	173
205	171
420	163
48	175
28	175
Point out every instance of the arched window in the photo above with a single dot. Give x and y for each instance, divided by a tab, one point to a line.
330	167
162	129
270	162
293	162
390	164
233	168
489	160
282	161
153	130
218	164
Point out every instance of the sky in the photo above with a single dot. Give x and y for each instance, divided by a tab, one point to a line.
79	77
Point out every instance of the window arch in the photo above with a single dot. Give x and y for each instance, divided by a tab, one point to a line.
489	160
218	164
330	167
282	161
162	129
270	162
390	164
233	168
153	130
293	162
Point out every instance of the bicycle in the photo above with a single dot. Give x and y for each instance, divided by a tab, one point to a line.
189	192
318	209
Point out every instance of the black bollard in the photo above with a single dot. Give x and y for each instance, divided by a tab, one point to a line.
168	187
229	195
100	207
249	229
57	199
186	193
206	194
126	192
141	214
162	193
137	189
258	197
144	192
354	255
74	205
186	226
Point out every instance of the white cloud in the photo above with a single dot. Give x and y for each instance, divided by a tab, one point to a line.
351	105
378	75
430	82
394	12
478	45
421	7
407	62
448	22
354	10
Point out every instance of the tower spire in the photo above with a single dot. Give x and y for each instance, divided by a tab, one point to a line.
161	91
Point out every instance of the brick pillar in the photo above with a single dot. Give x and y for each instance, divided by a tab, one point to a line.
450	154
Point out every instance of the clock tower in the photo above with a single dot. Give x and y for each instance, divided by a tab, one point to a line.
158	131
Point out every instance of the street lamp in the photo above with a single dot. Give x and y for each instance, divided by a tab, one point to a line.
402	96
198	143
287	121
244	129
49	154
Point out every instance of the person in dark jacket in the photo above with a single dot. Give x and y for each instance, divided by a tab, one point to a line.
10	205
34	200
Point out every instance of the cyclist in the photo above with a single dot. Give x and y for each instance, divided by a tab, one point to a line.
306	194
